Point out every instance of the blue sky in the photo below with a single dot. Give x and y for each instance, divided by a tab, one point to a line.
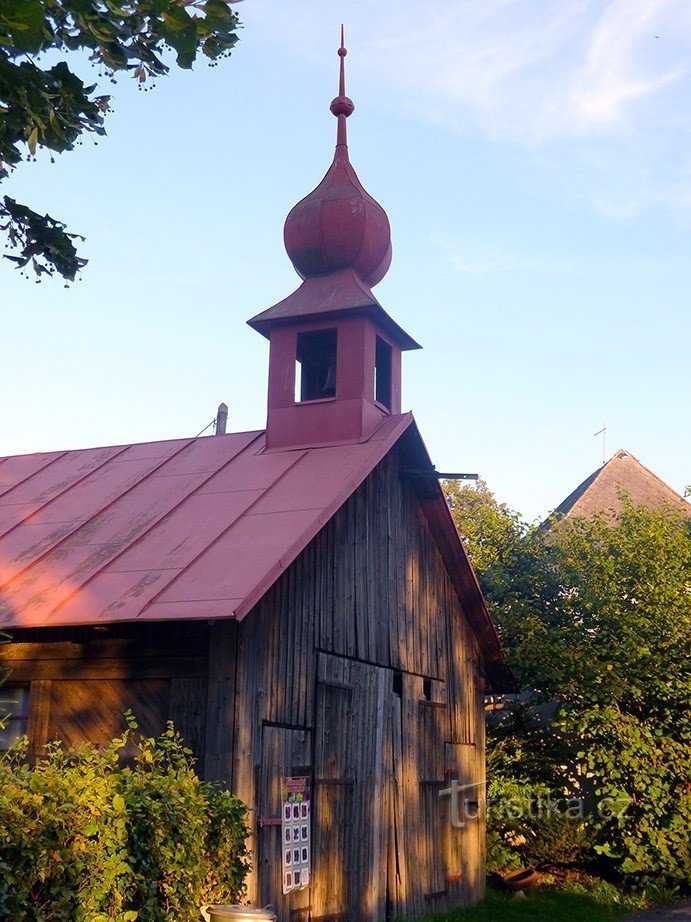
535	163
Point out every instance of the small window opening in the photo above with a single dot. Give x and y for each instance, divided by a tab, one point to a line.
427	689
382	373
315	367
397	685
14	709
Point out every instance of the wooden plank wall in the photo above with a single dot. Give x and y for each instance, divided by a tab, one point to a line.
275	681
372	597
82	680
382	594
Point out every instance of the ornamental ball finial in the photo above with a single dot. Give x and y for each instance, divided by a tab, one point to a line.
342	105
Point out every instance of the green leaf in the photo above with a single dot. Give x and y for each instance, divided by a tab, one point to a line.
32	141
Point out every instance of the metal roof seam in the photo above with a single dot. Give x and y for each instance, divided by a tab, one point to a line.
154	598
127	547
81	524
43	467
57	496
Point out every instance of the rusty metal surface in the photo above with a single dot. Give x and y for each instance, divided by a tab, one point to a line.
192	528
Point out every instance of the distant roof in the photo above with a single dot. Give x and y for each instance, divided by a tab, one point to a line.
623	473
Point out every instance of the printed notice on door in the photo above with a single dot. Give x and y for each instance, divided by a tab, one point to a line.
295	833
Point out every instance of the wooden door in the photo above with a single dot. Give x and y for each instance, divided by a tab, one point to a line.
286	752
349	828
419	870
465	762
433	817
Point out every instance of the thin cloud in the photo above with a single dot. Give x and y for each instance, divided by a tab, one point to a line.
558	80
619	66
469	259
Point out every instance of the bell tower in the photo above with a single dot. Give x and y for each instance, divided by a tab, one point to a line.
335	354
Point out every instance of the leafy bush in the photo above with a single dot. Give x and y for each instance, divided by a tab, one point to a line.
595	615
642	781
529	826
84	836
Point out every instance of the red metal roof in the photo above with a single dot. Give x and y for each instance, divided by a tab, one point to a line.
191	528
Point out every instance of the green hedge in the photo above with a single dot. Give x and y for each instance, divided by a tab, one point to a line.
88	835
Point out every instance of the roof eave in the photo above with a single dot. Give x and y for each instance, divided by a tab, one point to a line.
340	294
436	509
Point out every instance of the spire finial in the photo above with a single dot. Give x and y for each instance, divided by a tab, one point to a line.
342	106
342	52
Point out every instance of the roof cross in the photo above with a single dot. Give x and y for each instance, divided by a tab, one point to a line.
603	433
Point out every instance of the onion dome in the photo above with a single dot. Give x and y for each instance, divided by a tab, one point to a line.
339	225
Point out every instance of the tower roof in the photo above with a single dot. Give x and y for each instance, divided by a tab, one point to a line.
339	225
338	239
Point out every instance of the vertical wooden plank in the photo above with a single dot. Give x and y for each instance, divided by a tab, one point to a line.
389	561
348	583
39	717
310	617
414	838
188	699
251	665
379	542
401	577
398	876
295	655
468	766
328	582
220	703
340	615
285	751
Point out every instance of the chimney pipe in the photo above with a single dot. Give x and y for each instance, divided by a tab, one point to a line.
221	419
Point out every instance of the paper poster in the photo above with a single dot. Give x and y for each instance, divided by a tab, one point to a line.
295	833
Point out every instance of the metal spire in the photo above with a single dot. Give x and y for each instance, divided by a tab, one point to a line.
342	106
342	52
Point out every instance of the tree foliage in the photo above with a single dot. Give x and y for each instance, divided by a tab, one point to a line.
45	104
596	618
86	836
